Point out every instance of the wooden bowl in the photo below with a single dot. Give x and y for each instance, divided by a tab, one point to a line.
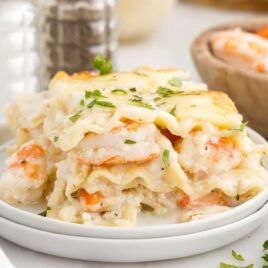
248	89
255	5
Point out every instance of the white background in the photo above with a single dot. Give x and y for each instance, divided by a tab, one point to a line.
168	47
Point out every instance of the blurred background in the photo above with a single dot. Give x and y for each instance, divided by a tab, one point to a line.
40	37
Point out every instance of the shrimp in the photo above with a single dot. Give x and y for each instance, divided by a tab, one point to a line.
215	197
131	143
24	179
91	199
263	31
201	155
241	49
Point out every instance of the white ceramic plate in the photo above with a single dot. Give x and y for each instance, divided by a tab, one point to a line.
130	250
149	227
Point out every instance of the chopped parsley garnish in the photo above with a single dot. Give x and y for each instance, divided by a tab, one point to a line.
82	102
119	91
130	142
44	213
75	194
147	106
175	82
157	98
97	94
94	94
133	89
102	64
76	116
237	197
164	91
225	265
165	158
237	256
56	138
262	164
136	98
88	94
91	104
240	127
146	207
142	74
105	104
173	110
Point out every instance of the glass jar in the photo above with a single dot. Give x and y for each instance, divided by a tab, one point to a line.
18	49
72	32
41	37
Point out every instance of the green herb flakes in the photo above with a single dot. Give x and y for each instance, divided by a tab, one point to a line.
165	92
175	82
44	213
136	98
165	158
225	265
88	94
237	197
240	127
96	94
75	194
237	256
105	104
82	102
119	91
129	142
157	98
141	74
133	89
173	110
75	117
261	163
102	64
146	207
91	104
56	138
147	106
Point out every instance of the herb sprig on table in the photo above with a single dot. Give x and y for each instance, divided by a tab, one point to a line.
265	254
240	258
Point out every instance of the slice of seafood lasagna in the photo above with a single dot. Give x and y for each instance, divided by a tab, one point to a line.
103	149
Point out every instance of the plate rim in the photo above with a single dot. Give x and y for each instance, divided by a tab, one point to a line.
151	245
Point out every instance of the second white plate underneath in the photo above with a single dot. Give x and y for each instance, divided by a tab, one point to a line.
129	250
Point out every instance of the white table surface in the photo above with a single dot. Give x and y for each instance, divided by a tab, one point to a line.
169	46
